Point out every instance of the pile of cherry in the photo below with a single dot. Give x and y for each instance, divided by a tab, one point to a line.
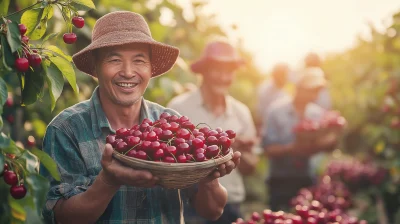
329	120
172	139
17	191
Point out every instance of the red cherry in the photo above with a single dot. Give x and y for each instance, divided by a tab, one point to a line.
212	140
10	177
152	136
158	131
178	141
110	139
182	158
34	60
118	140
197	143
132	141
5	168
183	148
155	146
22	29
69	38
255	216
169	159
10	118
267	214
22	64
201	137
121	147
183	133
183	119
31	141
137	133
166	135
148	121
158	154
225	142
231	133
25	39
144	135
190	157
297	220
9	102
173	118
146	146
165	115
196	131
18	192
122	132
144	127
222	134
199	157
174	127
204	130
135	127
141	155
171	150
188	125
165	126
132	153
311	220
212	133
212	151
78	21
199	150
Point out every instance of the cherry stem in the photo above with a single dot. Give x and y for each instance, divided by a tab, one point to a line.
204	124
29	7
132	148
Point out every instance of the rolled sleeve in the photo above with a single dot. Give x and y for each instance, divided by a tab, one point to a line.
70	165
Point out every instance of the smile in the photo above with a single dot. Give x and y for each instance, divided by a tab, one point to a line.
126	85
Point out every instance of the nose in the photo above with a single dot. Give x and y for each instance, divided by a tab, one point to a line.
226	76
128	70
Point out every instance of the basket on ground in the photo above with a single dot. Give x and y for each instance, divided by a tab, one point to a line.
175	175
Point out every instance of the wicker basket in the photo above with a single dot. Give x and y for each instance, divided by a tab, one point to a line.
175	175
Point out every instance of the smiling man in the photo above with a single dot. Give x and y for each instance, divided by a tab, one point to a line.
94	187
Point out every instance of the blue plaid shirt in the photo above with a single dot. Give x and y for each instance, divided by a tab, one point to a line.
75	139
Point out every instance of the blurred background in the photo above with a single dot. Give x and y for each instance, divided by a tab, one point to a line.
359	42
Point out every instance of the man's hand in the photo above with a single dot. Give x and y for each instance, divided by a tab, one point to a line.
116	174
223	169
244	144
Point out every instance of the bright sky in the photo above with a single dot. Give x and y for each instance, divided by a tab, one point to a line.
285	30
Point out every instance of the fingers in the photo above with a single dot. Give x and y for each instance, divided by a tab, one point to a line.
106	158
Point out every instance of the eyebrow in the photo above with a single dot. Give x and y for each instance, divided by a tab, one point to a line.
111	54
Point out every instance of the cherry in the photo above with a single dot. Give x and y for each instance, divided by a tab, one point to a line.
196	131
115	143
188	125
171	150
231	133
183	148
34	60
131	153
311	220
222	134
158	154
22	64
199	150
146	146
18	192
137	133
110	139
165	126
122	132
31	141
182	158
22	29
267	214
78	21
135	127
155	146
201	137
158	131
225	142
169	159
69	38
141	155
144	126
132	141
212	151
255	216
173	118
212	140
204	130
174	127
5	168
152	136
183	133
297	220
9	102
197	143
183	119
25	39
178	141
166	134
10	118
199	157
144	135
212	133
148	121
121	147
165	115
10	177
163	146
190	157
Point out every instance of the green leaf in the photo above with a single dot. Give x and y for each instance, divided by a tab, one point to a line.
17	207
30	161
1	123
55	81
4	7
1	163
47	162
34	82
3	92
39	187
14	36
39	127
49	37
4	140
11	148
8	58
58	52
67	70
83	5
36	21
32	216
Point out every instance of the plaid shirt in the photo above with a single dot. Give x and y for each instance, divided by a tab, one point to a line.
75	139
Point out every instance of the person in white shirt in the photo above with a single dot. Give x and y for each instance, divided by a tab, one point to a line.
212	104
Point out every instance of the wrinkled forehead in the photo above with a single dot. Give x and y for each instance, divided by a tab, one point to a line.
126	49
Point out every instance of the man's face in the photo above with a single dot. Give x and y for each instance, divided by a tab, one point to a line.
218	78
123	73
308	95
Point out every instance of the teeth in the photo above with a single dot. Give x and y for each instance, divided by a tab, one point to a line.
126	85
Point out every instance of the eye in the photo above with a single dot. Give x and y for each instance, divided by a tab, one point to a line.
139	61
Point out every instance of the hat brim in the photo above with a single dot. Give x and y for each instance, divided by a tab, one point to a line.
202	64
163	56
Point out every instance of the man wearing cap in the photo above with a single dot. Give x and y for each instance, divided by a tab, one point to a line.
289	159
212	104
94	187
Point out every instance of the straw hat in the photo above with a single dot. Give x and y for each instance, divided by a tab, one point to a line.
123	27
312	78
217	52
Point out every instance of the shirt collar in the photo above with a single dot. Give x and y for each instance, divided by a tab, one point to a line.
99	119
198	99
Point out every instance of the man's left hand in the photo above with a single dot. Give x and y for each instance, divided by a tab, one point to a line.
224	169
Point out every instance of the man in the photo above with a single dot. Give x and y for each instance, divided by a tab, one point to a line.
211	103
289	159
95	187
272	90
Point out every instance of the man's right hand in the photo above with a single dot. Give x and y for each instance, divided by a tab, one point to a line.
116	174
